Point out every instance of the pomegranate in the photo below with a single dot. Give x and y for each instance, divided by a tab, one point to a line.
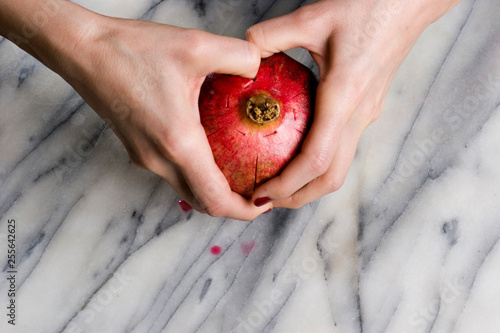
256	127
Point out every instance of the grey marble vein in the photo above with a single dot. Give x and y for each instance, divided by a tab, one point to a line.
409	244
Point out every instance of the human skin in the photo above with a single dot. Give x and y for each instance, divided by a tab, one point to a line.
358	46
138	76
143	79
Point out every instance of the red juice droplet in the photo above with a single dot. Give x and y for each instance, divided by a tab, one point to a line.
215	250
246	248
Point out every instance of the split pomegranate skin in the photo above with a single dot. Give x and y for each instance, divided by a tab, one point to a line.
255	127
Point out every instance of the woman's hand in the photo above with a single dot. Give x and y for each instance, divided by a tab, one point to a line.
144	79
358	46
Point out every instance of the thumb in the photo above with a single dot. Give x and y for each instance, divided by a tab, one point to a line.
229	55
279	34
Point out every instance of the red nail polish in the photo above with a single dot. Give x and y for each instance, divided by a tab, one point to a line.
185	206
267	211
262	201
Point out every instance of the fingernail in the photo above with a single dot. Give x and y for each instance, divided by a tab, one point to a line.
262	201
185	206
267	211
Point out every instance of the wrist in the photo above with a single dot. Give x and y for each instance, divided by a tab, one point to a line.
402	22
426	12
52	31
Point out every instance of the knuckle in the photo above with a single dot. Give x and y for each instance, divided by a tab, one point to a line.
296	204
134	159
196	44
334	184
175	147
319	162
255	35
296	201
375	111
253	58
215	209
145	159
138	164
170	149
213	200
281	190
305	16
312	18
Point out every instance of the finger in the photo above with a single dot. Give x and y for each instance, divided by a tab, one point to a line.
365	113
229	56
334	178
154	161
188	148
296	29
200	183
175	178
210	187
335	103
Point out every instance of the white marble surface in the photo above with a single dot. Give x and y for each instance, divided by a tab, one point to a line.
409	244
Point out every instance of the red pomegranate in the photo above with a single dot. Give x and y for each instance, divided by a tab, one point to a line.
256	127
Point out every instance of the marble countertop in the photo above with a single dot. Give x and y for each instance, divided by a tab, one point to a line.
409	244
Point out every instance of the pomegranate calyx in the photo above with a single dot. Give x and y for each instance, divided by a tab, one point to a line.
262	108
